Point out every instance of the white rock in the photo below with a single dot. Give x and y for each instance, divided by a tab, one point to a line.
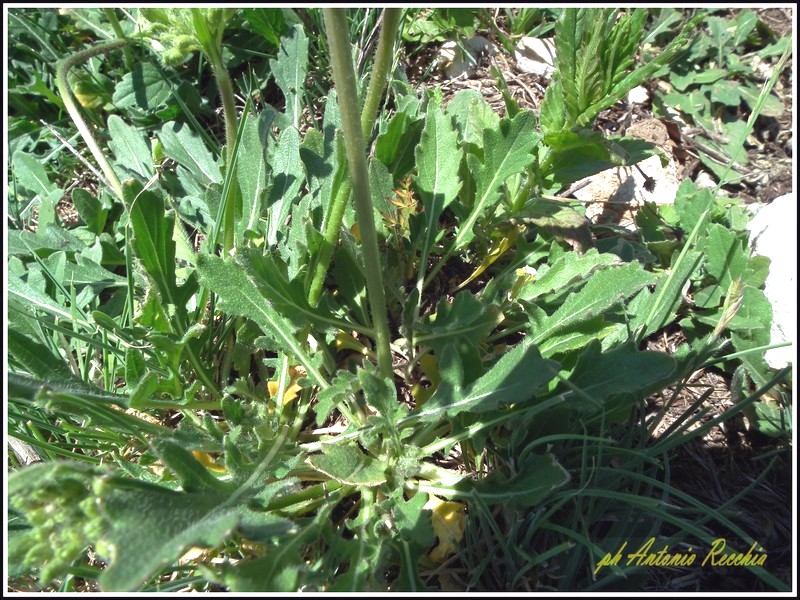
703	179
457	63
638	95
616	194
773	233
536	55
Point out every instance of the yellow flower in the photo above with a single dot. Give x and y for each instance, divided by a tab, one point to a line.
448	520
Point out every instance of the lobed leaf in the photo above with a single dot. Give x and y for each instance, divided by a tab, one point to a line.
507	152
605	289
289	70
348	465
438	158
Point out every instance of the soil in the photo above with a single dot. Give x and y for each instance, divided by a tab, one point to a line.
733	456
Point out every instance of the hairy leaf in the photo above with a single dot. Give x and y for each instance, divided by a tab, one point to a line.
130	148
290	69
239	293
516	377
438	158
507	151
348	465
187	149
605	289
287	177
251	170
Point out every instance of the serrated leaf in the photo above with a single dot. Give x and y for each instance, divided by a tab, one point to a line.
251	171
289	70
553	112
472	115
566	270
240	294
623	370
188	150
143	87
507	152
725	255
465	317
579	336
381	393
341	389
348	465
269	23
605	289
287	177
131	149
288	297
438	158
149	527
515	378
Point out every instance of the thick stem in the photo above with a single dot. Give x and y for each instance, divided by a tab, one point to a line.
345	80
228	100
72	108
380	73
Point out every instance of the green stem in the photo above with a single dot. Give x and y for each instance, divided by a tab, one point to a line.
72	108
345	80
115	25
380	69
228	99
383	63
229	113
333	223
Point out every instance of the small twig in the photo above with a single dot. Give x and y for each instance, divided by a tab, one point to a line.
574	188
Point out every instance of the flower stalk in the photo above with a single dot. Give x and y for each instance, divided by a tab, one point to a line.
64	90
345	81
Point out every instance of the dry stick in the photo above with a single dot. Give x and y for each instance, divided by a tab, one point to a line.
345	80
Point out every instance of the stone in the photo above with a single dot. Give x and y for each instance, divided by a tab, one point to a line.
456	63
616	194
536	55
773	233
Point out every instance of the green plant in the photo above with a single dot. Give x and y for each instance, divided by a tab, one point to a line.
337	386
717	78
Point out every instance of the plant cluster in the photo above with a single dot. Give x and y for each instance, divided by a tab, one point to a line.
329	351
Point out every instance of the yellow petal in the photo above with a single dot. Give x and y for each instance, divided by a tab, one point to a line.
430	367
448	520
290	394
205	459
498	249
